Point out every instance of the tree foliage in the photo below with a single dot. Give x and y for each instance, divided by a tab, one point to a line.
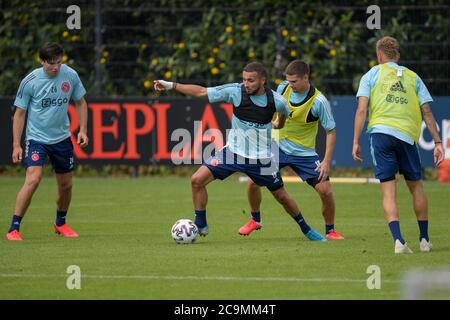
208	42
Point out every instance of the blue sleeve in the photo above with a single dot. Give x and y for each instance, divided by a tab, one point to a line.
226	93
281	105
364	86
322	109
78	89
281	87
422	92
24	94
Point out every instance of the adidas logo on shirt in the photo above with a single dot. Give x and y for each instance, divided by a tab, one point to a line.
398	86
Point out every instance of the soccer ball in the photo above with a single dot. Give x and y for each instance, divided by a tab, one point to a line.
184	231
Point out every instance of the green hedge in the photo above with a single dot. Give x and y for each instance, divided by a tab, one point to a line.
208	42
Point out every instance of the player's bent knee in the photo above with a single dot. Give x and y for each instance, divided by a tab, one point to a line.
197	181
325	193
67	186
33	181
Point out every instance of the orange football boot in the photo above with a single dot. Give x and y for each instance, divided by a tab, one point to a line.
65	231
249	227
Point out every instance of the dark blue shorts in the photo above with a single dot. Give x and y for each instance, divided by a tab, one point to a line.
391	155
60	154
304	167
264	173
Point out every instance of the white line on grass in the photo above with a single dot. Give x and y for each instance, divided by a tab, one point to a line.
196	278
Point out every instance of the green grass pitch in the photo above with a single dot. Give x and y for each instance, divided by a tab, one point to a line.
125	250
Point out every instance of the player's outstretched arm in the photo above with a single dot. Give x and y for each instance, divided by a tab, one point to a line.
18	124
188	89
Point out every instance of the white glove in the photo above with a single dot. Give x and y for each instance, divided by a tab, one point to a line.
161	85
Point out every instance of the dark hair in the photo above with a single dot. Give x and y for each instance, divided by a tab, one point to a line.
257	67
297	68
50	51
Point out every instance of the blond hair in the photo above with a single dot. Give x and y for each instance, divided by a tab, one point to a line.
389	47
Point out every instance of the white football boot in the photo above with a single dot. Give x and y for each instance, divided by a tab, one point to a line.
425	246
401	248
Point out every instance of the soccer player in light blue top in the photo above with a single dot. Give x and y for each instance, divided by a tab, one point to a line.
397	100
248	149
44	95
296	145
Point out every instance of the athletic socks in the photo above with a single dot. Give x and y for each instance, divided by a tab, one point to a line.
256	216
395	230
15	224
423	227
200	218
60	218
329	228
302	223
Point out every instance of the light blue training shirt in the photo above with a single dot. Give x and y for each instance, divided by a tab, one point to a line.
46	100
248	139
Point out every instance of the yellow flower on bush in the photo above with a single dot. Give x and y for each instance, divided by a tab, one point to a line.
372	63
321	42
147	84
75	38
222	65
285	32
102	61
105	54
228	29
143	46
278	81
214	70
36	57
154	62
211	60
65	34
194	55
215	50
245	27
309	13
181	45
337	42
168	74
293	53
230	41
293	39
64	58
251	54
333	52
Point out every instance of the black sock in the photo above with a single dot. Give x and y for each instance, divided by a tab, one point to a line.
329	228
60	218
15	224
200	218
302	223
256	216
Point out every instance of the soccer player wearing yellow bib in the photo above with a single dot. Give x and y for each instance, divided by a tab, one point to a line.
296	145
397	99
